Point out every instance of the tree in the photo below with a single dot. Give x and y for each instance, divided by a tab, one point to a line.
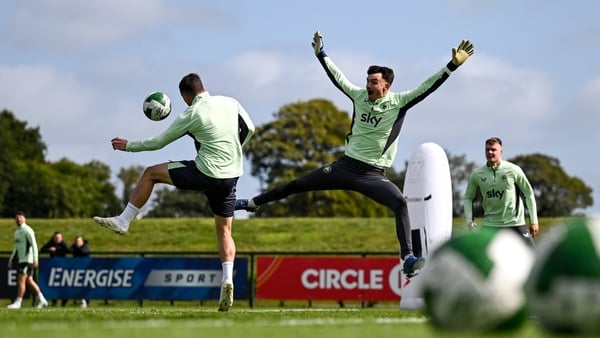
460	171
179	203
17	142
62	189
45	189
129	176
87	188
304	136
556	193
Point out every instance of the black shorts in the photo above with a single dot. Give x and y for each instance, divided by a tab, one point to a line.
522	231
220	192
25	269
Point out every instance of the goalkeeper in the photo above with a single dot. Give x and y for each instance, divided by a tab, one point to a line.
371	143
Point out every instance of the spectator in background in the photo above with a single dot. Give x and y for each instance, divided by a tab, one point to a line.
80	248
56	247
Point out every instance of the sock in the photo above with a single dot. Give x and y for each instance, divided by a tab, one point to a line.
251	203
128	215
227	273
18	300
41	297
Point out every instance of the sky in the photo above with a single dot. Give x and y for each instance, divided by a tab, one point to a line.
80	70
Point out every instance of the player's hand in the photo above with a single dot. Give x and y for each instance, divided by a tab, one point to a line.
119	143
472	225
461	53
534	229
317	42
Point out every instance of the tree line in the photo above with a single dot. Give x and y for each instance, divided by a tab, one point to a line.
301	136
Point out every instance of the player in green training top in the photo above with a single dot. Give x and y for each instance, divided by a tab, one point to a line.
25	254
502	185
219	127
371	143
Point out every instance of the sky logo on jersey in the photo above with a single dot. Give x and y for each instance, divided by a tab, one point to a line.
372	119
495	194
184	278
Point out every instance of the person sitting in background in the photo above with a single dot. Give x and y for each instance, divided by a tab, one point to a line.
56	247
80	248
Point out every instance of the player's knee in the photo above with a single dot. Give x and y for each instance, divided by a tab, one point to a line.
400	204
156	173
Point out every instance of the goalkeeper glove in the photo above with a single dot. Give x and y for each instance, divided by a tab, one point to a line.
462	53
317	42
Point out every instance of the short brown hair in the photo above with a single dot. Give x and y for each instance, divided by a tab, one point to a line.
493	140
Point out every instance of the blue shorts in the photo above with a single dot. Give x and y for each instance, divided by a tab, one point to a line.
220	192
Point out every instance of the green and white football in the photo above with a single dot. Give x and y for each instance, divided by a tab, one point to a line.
476	281
157	106
564	287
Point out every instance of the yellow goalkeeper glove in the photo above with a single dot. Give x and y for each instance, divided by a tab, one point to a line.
462	52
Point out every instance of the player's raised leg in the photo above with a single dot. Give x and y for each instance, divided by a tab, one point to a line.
158	173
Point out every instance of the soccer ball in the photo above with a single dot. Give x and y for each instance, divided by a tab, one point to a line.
157	106
564	287
476	281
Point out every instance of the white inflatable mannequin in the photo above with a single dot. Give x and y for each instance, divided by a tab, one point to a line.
428	191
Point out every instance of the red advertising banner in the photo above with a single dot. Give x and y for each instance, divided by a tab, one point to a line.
328	278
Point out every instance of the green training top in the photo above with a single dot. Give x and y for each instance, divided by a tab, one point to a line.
502	189
376	125
26	249
219	126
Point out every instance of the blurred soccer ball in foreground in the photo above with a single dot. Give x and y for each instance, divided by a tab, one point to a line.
476	281
157	106
564	287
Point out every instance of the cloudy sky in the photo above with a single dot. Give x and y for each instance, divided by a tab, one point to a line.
79	70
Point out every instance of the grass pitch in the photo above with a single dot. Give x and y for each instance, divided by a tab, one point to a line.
188	319
204	321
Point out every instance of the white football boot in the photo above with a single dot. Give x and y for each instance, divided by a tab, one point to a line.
14	306
111	223
226	300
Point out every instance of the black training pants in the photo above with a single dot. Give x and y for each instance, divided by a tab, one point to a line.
354	175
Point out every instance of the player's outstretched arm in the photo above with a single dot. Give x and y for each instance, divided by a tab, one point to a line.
461	53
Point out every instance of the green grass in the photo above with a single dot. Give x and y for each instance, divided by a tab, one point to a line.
255	234
191	319
180	322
